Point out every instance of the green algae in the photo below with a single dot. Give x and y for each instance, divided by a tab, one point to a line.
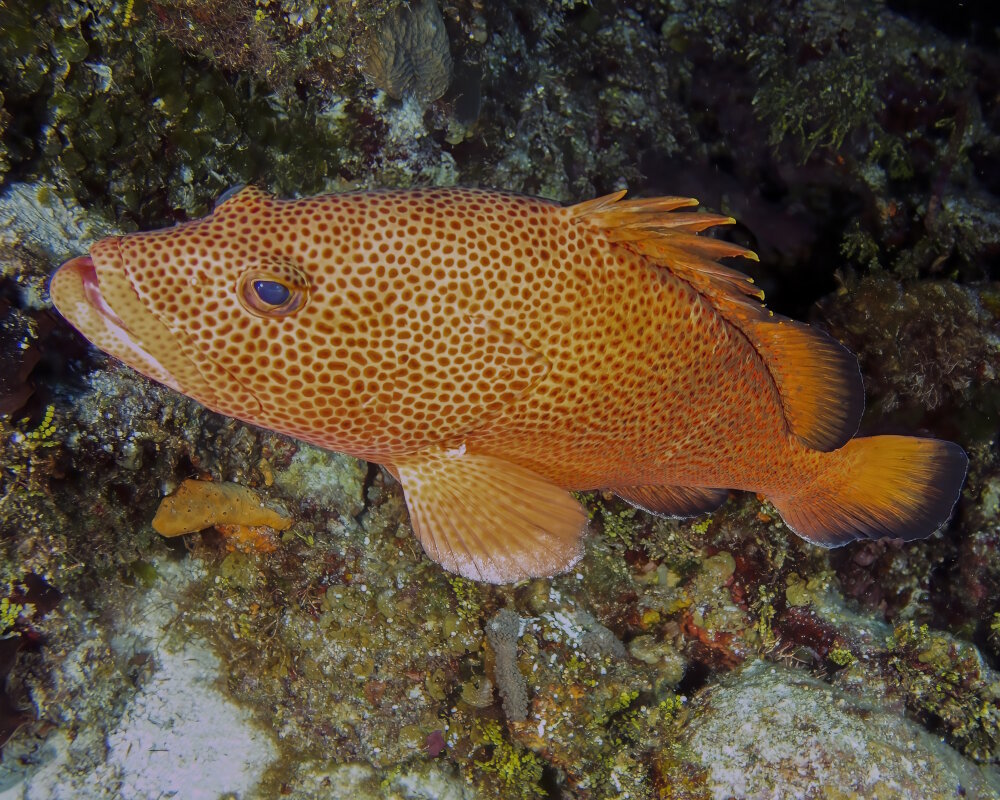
9	613
818	106
156	130
618	524
947	681
518	770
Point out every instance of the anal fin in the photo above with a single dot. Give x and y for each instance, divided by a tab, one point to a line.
488	519
673	501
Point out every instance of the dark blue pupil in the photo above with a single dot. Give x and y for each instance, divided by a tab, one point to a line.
271	292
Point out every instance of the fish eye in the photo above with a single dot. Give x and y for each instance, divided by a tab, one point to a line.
270	295
271	292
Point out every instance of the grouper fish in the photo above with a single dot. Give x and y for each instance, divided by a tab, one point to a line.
494	352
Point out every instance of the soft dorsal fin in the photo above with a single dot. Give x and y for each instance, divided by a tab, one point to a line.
673	501
488	519
818	379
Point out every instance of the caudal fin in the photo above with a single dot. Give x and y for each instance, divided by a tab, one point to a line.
883	486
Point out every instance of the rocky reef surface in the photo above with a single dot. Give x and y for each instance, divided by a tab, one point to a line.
858	146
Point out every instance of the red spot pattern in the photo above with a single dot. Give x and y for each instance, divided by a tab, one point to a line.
459	316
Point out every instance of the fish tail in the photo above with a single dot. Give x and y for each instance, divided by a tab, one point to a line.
882	486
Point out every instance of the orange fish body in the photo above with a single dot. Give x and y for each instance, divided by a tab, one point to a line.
494	351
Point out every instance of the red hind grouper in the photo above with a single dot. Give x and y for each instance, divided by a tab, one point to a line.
495	351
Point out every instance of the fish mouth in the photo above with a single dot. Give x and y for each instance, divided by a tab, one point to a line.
94	293
84	267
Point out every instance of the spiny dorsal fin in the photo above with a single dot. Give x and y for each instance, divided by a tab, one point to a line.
646	226
241	197
818	379
673	501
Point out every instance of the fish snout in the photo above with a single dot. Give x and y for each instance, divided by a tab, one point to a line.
79	264
71	274
95	296
106	296
77	280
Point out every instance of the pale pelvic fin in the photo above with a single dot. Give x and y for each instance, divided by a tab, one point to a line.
673	501
488	519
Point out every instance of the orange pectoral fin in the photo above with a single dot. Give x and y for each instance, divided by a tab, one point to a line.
490	520
673	501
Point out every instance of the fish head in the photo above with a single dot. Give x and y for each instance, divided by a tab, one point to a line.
325	318
207	307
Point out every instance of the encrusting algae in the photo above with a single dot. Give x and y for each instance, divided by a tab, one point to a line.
494	351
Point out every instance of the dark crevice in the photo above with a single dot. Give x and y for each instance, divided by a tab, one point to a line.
696	676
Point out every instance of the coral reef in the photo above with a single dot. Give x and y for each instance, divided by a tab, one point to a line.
770	730
120	108
948	681
25	324
927	349
281	42
860	149
12	717
19	353
409	53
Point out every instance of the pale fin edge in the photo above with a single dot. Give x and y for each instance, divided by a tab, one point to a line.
489	520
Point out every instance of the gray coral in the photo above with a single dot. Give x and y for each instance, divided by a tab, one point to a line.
503	631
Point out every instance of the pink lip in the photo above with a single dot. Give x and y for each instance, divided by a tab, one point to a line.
83	266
